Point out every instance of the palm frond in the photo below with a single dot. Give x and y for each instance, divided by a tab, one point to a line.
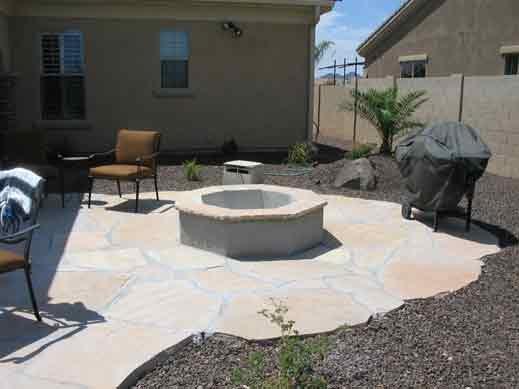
406	107
387	111
321	49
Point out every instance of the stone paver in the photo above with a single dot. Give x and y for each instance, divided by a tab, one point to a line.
313	311
116	288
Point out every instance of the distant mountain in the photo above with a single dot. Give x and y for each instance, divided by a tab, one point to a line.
339	75
328	78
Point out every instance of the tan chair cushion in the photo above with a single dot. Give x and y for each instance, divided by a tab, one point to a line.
134	144
122	172
10	261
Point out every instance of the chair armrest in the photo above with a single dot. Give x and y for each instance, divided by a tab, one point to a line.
147	157
20	236
103	154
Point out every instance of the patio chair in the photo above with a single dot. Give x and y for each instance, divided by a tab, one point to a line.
134	159
11	260
29	149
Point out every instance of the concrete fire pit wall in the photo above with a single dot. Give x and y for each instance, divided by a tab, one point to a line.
280	222
263	238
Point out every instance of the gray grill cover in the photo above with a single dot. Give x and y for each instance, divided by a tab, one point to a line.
439	163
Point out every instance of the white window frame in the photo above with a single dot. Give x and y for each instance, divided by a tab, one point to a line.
173	58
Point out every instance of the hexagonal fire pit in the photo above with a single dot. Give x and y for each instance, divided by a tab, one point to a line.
251	220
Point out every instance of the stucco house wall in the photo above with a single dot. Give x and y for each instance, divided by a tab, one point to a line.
5	51
459	36
256	89
248	88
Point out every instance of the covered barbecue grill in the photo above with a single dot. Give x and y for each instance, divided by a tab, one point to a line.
440	165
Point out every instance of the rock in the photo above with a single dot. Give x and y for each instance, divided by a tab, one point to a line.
358	174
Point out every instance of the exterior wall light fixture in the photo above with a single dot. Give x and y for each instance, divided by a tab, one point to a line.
236	31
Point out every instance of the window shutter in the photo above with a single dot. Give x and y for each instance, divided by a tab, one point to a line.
51	98
72	53
62	82
174	45
51	54
74	92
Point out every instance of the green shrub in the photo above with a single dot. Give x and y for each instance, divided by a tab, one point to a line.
295	358
300	154
360	151
254	375
192	170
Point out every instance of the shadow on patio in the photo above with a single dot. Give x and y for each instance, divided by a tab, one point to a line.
63	311
146	206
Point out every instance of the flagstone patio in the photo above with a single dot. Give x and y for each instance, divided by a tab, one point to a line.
116	288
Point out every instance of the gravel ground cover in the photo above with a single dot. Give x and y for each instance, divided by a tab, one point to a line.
467	339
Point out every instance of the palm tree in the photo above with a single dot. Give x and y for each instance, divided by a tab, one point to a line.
389	112
321	49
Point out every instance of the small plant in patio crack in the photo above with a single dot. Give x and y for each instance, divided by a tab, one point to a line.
300	154
360	151
296	358
192	170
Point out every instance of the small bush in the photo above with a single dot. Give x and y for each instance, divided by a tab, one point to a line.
300	154
192	170
296	358
360	151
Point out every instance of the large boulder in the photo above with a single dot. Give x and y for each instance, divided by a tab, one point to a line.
358	174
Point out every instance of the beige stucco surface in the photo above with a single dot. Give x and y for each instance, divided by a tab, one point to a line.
254	89
116	288
458	36
5	52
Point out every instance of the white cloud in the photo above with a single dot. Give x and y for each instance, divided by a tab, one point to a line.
333	27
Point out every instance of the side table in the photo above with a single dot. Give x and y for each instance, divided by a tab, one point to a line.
71	163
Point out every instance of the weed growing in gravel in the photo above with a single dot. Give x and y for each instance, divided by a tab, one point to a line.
300	154
295	358
192	170
360	151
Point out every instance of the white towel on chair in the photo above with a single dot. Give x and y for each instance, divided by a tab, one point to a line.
18	189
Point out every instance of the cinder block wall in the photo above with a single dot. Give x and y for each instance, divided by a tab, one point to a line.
443	94
338	124
489	104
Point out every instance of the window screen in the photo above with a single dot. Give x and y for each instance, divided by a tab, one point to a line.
413	69
511	64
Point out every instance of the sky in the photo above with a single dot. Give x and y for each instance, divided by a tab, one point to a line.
350	22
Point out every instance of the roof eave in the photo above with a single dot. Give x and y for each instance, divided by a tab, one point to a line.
394	21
